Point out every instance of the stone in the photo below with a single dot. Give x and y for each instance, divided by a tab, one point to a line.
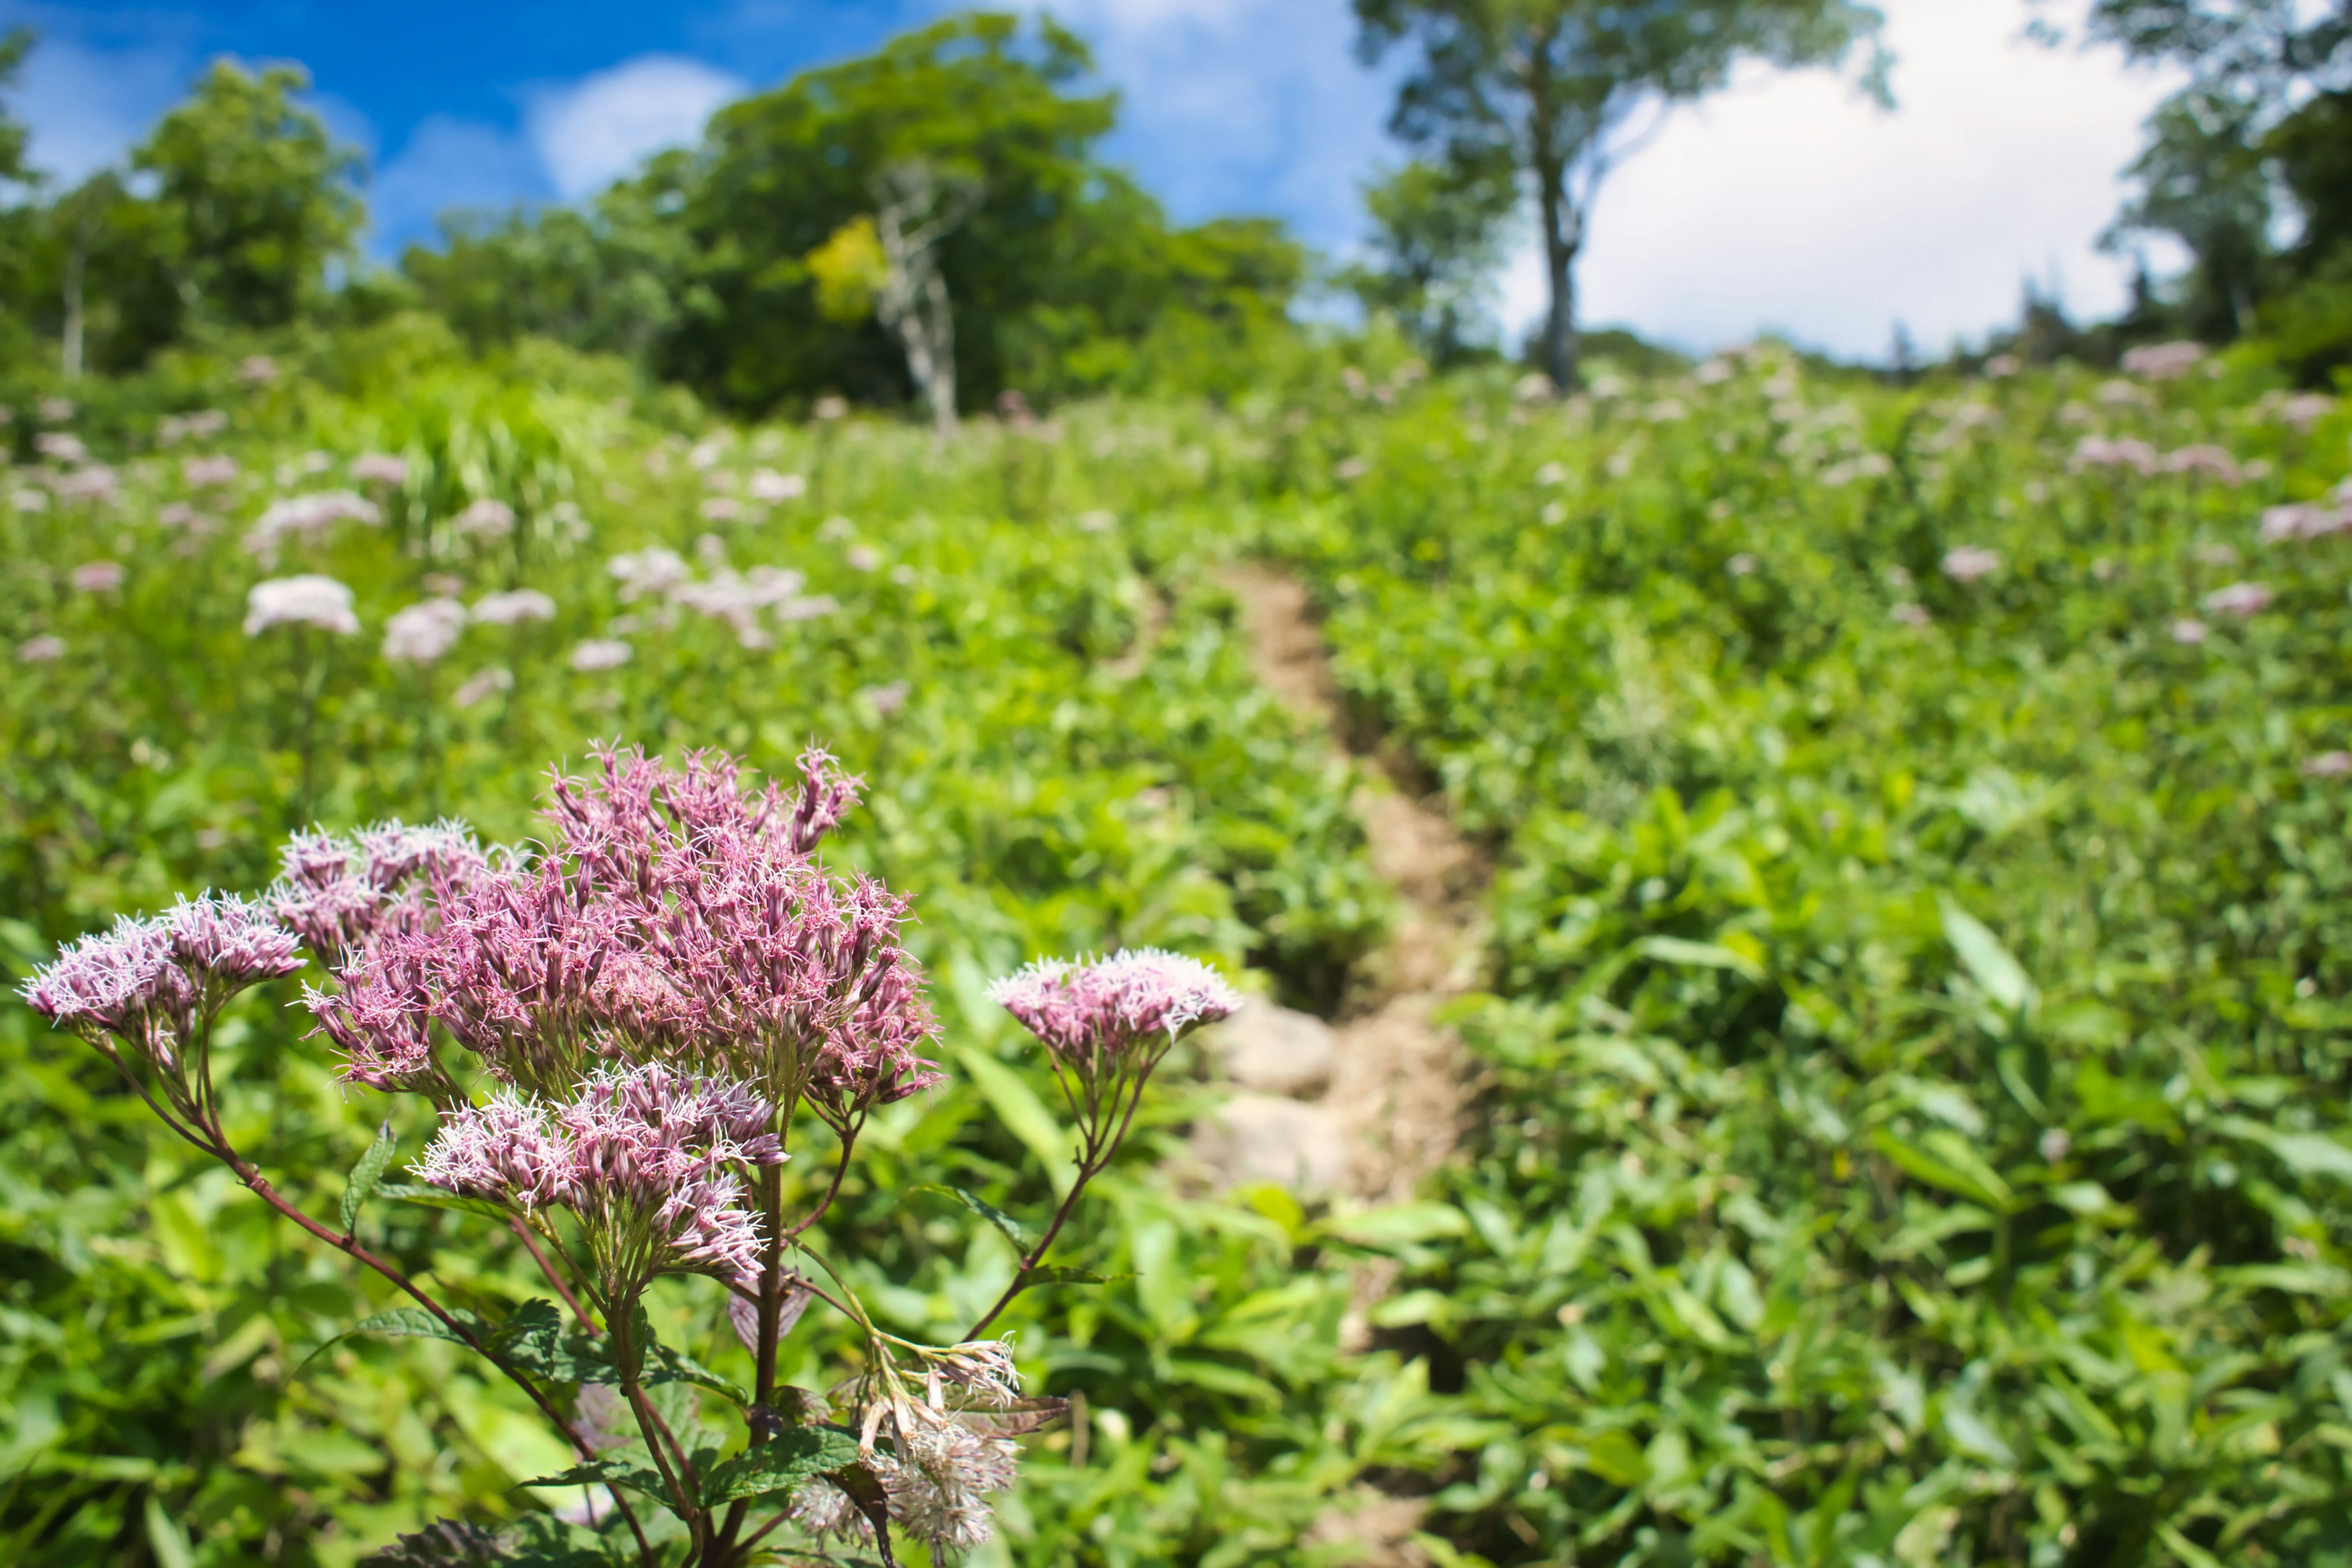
1274	1050
1255	1138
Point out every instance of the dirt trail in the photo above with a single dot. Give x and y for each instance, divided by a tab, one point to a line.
1398	1088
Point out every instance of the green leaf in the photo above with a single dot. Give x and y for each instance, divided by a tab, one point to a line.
1055	1275
1401	1225
667	1363
780	1465
416	1323
606	1472
1023	1114
404	1322
366	1174
1953	1166
1009	1227
539	1339
1998	974
2304	1154
1701	955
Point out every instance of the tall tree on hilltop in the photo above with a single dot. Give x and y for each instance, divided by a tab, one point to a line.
1548	87
256	198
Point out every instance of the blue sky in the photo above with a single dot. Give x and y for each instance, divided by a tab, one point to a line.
1785	204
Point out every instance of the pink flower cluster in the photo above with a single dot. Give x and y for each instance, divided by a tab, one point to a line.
146	981
1090	1015
1970	561
643	1155
2305	520
678	917
2127	452
341	892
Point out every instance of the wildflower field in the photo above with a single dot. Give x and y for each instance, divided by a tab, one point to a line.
1904	1067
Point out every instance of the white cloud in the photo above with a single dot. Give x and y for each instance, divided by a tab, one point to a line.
87	104
1239	106
592	131
1789	203
448	164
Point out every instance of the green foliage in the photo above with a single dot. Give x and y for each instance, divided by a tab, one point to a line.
1916	1129
1437	237
1064	751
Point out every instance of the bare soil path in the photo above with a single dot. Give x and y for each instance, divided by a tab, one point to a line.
1398	1087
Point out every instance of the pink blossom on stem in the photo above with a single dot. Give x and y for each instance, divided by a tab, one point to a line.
1091	1015
646	1157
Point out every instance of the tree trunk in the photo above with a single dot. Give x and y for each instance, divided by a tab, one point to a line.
914	299
1563	234
69	346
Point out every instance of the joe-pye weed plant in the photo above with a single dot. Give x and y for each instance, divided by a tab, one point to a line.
622	1031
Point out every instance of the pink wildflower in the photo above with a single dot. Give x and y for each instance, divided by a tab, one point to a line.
2213	461
511	608
307	516
486	519
767	485
600	654
482	686
97	576
147	980
43	649
1968	562
256	370
423	633
200	472
1911	615
341	892
60	448
2164	361
863	558
303	601
2329	765
2241	599
380	468
2190	632
1091	1016
678	917
645	1156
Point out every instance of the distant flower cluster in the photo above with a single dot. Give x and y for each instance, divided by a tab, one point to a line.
308	516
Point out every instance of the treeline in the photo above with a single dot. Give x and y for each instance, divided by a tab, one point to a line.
947	191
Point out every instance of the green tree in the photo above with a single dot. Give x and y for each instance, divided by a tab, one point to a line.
612	280
255	199
15	138
2202	179
1547	88
1436	242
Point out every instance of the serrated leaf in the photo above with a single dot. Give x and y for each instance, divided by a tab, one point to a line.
794	1455
537	1338
403	1322
1009	1227
667	1363
1055	1275
608	1473
366	1174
